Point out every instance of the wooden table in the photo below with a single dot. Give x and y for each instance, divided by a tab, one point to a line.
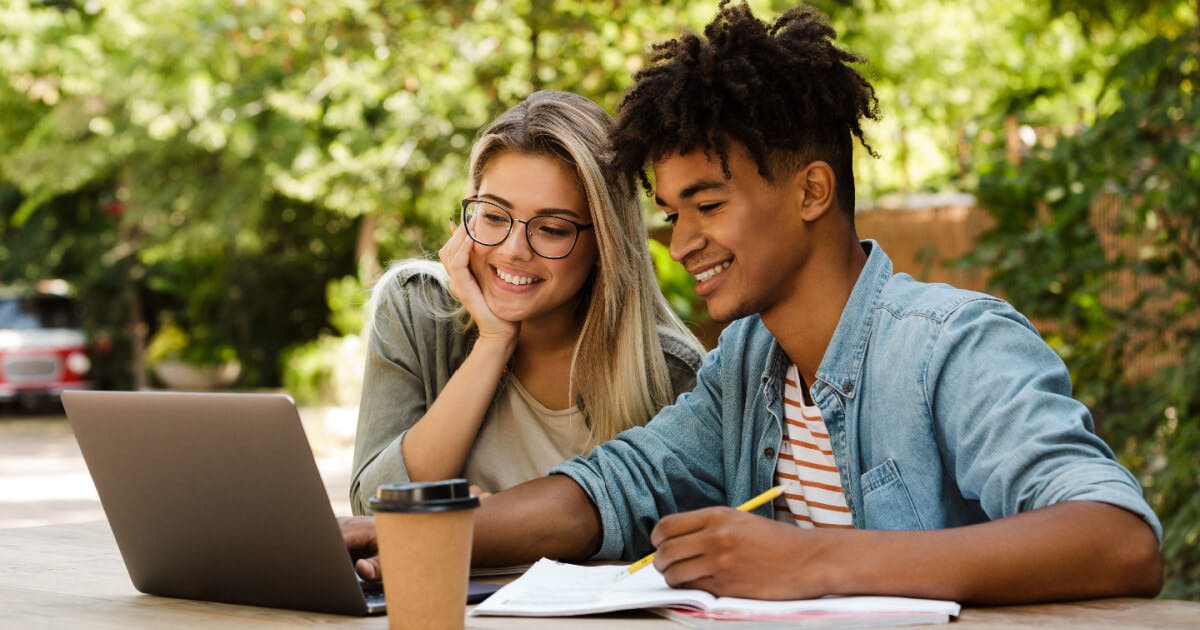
72	576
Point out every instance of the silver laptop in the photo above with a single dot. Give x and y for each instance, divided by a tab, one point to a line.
216	497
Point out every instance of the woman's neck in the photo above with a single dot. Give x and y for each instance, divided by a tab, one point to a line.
542	359
550	334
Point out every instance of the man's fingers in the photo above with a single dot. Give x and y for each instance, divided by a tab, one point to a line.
681	524
358	532
694	572
707	584
368	568
679	550
693	546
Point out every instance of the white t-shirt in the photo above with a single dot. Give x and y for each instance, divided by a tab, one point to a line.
813	495
521	439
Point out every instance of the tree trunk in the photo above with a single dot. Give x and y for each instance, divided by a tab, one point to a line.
129	236
537	10
1012	140
534	65
138	330
366	251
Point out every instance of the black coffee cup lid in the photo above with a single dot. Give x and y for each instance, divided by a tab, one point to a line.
424	496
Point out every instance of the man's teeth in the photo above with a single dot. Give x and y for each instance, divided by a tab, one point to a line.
511	279
712	271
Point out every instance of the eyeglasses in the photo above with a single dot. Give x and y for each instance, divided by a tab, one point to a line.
548	236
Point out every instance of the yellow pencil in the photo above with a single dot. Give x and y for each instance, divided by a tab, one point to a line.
745	507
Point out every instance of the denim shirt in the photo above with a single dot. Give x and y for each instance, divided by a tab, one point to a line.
944	408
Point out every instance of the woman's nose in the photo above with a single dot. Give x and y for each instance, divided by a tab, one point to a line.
517	244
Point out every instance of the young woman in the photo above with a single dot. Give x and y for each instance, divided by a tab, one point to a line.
542	332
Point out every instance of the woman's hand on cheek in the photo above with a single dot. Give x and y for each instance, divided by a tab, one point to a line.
456	257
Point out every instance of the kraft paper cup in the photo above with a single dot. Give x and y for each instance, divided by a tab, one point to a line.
424	534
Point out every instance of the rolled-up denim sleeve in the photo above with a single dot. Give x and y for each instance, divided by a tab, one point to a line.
1016	438
672	464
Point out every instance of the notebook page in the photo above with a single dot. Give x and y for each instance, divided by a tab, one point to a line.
860	604
551	589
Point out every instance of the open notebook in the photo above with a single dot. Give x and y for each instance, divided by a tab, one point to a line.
555	589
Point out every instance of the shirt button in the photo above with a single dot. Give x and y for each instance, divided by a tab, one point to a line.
847	387
769	452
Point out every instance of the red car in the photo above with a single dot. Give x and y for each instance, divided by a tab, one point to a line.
43	349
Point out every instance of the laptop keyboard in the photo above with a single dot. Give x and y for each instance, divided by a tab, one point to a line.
372	591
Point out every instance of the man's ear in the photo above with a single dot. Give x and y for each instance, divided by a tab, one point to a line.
816	189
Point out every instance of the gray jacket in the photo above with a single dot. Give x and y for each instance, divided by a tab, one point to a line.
411	355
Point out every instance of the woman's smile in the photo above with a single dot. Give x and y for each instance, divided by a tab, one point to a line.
515	277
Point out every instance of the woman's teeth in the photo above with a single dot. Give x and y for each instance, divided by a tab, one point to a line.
712	271
512	279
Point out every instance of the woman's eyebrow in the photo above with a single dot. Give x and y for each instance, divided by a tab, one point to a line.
557	211
501	201
495	199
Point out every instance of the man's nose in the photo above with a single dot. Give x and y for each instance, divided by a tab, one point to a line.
686	238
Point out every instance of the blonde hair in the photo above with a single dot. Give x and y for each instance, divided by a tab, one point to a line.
618	370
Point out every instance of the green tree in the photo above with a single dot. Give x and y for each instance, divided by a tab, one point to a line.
222	162
1120	296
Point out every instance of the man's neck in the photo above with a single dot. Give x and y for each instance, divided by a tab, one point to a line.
804	324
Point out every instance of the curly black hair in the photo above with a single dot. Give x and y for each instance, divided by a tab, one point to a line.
783	90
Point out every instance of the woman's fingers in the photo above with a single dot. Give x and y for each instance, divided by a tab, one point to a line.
456	258
453	245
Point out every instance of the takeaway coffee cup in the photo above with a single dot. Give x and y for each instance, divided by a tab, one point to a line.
424	535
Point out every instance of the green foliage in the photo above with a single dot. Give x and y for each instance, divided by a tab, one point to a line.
172	342
946	72
215	161
328	369
1132	345
192	157
347	299
325	371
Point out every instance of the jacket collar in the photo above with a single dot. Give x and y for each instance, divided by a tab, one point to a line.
842	364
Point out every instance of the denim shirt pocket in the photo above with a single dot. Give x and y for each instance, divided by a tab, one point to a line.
886	501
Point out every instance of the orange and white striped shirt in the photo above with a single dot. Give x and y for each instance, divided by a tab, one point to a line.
813	495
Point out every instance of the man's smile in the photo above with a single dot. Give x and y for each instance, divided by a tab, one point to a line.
712	271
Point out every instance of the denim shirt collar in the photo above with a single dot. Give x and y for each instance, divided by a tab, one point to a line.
843	361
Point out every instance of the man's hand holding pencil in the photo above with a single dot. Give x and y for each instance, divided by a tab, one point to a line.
728	552
748	506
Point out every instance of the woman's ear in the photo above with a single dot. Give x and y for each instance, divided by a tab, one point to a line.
815	186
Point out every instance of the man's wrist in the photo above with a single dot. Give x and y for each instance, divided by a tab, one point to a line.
836	560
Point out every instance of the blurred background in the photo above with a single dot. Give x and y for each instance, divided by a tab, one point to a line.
199	194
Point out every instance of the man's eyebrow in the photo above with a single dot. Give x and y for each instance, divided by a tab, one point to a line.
694	188
501	201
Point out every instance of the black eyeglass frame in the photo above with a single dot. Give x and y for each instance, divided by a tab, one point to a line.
579	227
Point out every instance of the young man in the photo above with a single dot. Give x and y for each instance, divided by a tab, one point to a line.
926	435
